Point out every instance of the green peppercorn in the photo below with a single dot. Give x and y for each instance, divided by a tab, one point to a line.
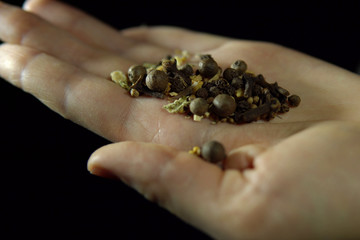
213	152
135	72
224	105
239	65
199	106
157	81
208	67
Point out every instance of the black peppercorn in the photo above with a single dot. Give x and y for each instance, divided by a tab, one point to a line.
224	105
199	106
157	81
202	92
213	152
187	69
214	91
208	67
135	72
237	83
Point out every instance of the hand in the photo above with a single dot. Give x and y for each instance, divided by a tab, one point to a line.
64	57
304	187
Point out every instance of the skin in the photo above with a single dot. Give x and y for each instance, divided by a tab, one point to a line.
292	177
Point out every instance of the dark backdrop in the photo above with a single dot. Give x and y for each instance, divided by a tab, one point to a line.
46	186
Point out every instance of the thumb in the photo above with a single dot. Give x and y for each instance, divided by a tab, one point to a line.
187	186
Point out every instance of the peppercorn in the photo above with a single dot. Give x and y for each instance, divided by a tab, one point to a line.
135	72
239	65
202	92
294	100
224	105
199	106
157	81
213	152
229	74
214	91
237	82
187	69
208	67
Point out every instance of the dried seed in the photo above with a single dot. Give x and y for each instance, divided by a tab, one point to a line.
157	81
135	72
134	92
237	82
294	100
199	106
224	105
202	92
229	74
213	151
239	65
208	67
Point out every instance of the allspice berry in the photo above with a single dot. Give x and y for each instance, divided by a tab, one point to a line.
199	106
224	105
208	67
294	100
239	65
135	72
213	152
157	81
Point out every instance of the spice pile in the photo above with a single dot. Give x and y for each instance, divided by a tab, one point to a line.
205	91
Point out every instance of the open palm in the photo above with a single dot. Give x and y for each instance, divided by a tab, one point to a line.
65	57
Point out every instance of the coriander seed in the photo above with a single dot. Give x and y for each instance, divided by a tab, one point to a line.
199	106
213	152
224	105
157	81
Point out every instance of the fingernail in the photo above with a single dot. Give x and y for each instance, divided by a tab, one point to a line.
98	171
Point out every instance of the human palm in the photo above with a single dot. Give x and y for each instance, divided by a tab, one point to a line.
64	59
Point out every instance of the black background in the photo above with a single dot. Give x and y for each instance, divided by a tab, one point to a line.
45	184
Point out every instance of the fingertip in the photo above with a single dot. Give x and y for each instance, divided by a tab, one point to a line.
30	5
97	165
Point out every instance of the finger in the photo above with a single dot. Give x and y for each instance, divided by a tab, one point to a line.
19	27
94	32
102	106
196	191
73	93
77	22
24	28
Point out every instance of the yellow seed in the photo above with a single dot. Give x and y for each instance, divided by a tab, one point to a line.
239	93
134	92
195	150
